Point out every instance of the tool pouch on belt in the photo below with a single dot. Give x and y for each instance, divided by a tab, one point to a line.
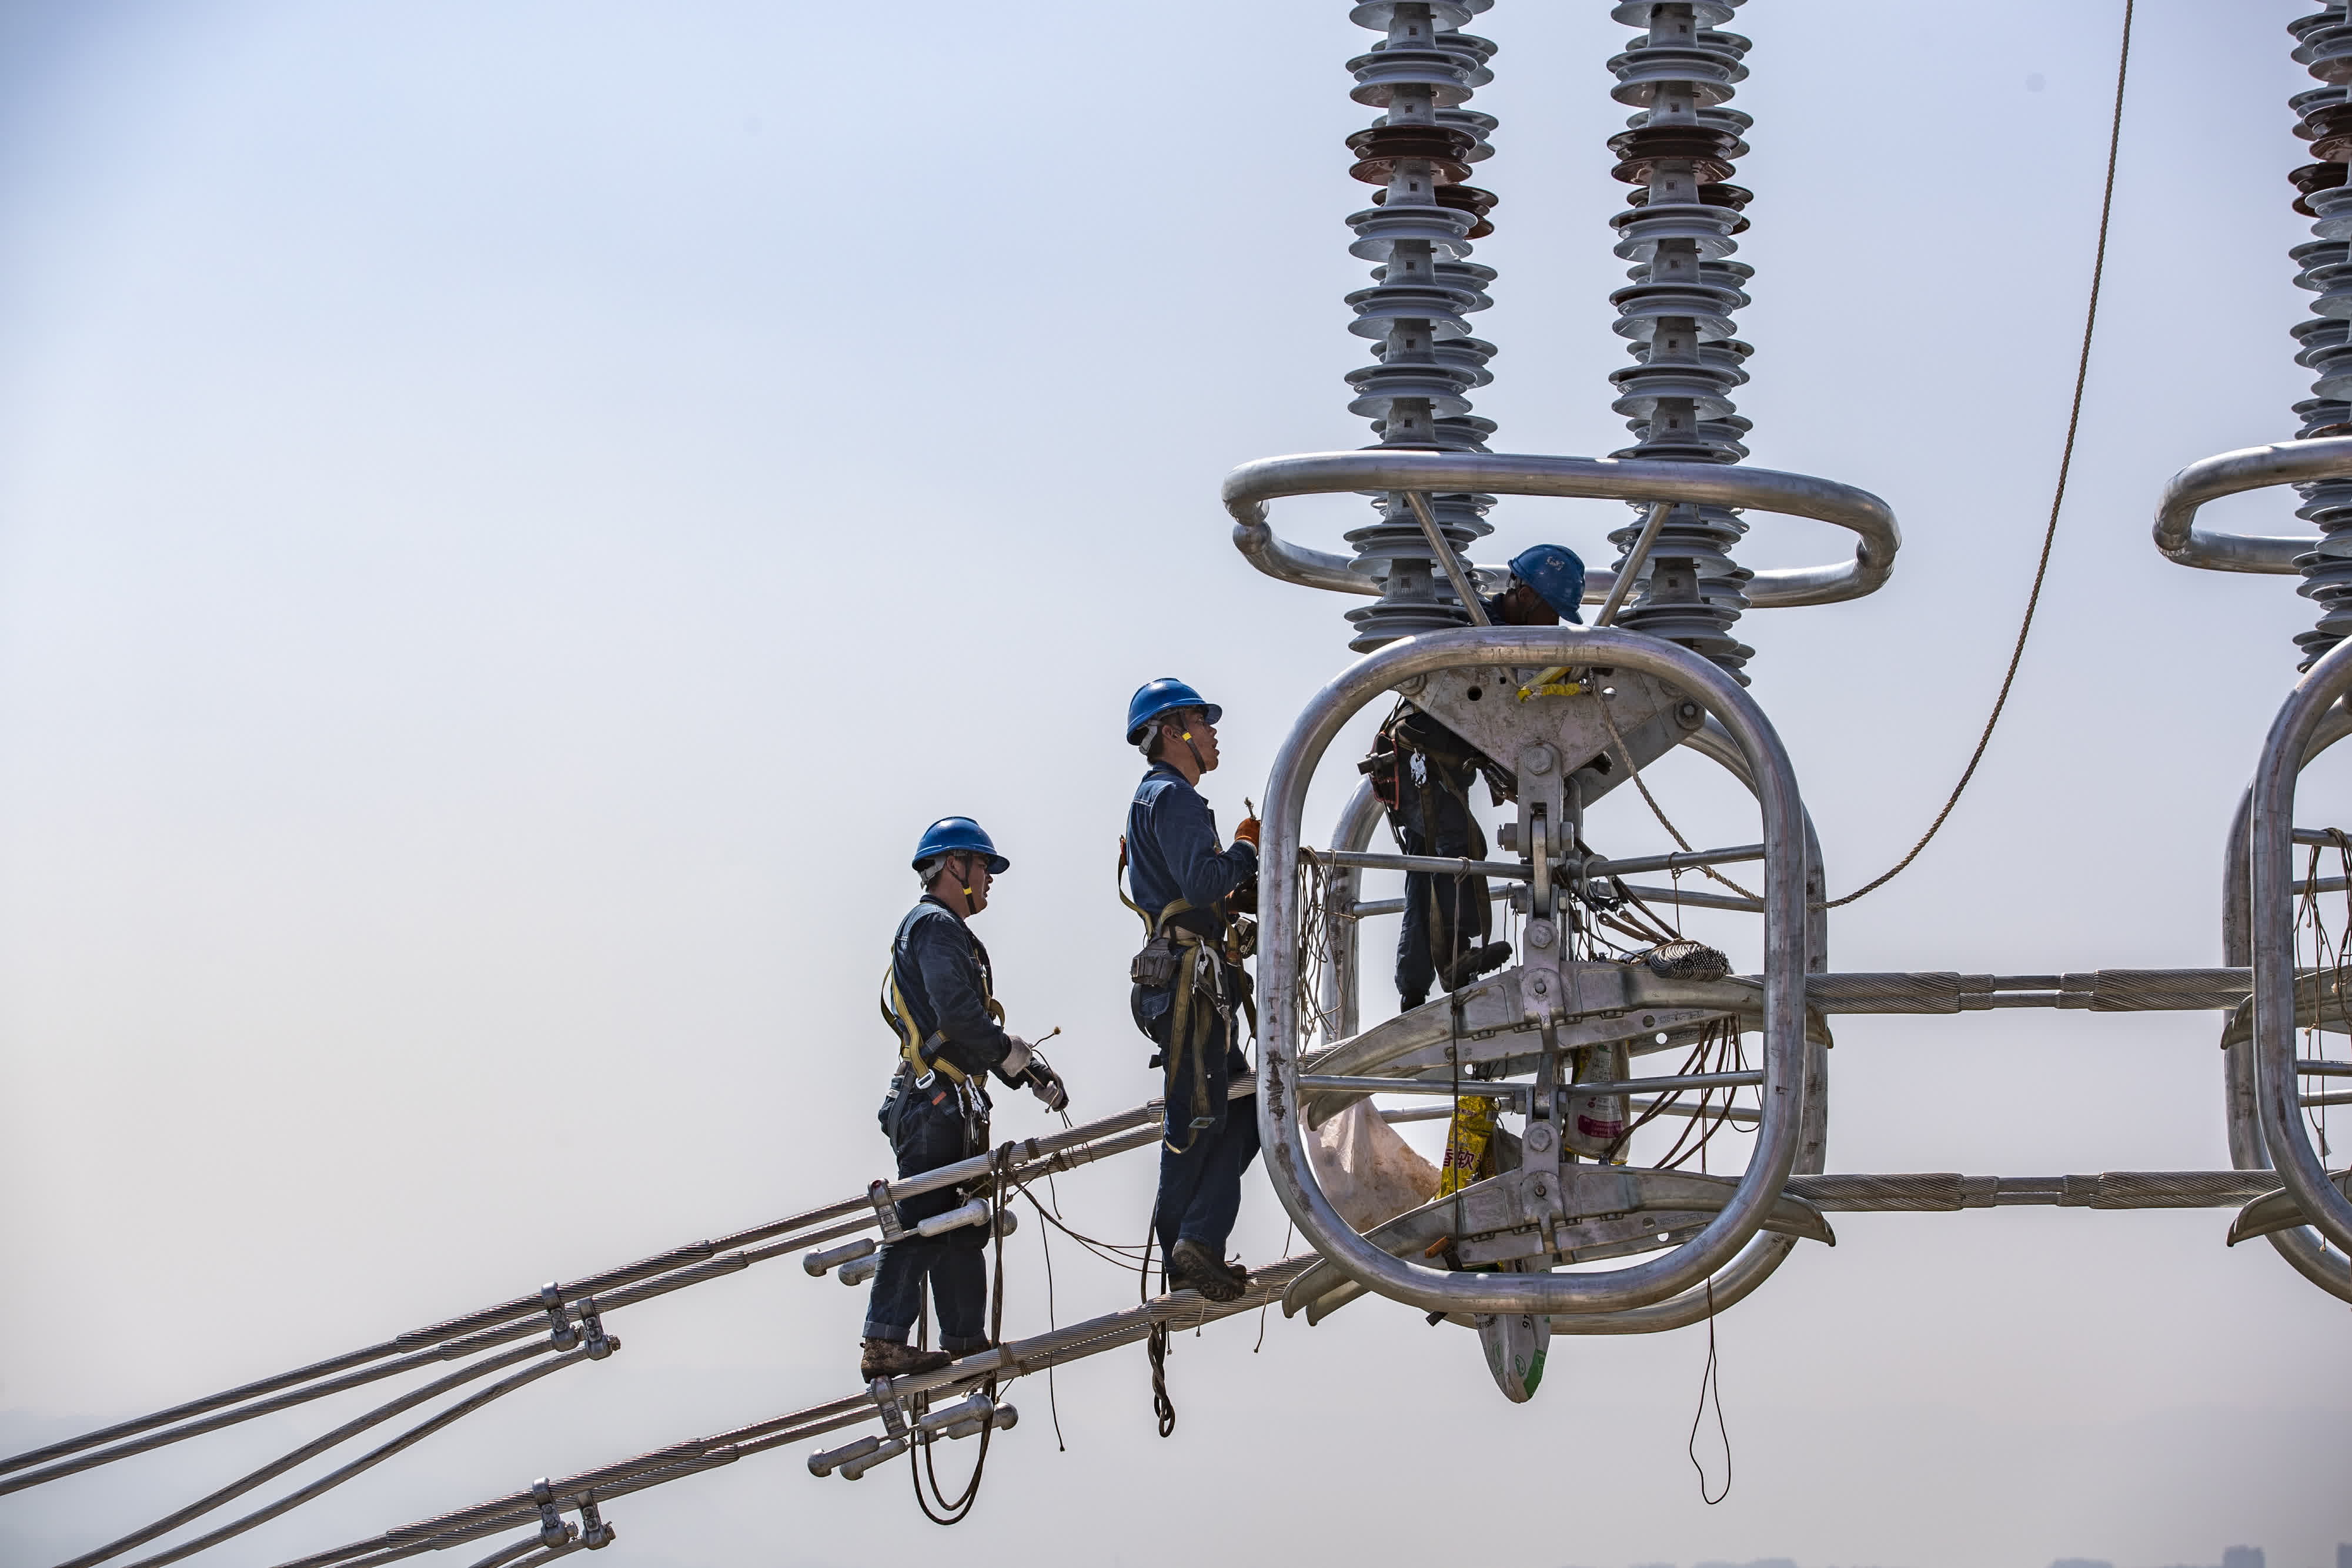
1155	964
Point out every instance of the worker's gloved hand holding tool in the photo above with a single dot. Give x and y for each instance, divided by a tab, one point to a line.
1047	1084
1245	831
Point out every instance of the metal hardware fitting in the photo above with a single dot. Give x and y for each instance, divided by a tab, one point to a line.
553	1530
562	1334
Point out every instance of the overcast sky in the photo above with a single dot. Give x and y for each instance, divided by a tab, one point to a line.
513	516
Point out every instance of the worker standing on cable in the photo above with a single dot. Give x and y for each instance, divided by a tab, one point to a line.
1190	988
1422	773
937	996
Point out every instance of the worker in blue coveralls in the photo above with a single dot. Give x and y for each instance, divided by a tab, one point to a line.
1189	983
937	996
1423	772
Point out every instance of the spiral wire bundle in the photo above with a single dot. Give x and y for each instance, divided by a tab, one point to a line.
1417	232
1676	311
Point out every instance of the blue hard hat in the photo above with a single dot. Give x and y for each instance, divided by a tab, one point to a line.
1155	697
949	834
1557	574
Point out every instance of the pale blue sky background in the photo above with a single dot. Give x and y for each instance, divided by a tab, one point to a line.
513	516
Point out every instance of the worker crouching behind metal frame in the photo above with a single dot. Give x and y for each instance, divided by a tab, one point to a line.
937	996
1190	988
1677	1277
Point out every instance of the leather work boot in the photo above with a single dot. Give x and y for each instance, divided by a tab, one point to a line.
889	1358
1197	1268
1480	960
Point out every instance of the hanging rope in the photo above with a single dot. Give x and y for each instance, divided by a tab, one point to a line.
921	1463
2058	497
2041	568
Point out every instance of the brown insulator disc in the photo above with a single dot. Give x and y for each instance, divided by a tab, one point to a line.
1379	148
2314	177
1642	149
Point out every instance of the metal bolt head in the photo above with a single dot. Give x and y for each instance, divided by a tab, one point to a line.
1539	758
1541	934
1690	713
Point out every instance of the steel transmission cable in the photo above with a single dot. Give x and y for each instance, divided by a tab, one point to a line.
2049	532
366	1461
2058	496
308	1451
462	1336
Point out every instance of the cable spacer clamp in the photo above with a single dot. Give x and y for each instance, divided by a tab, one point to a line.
600	1344
553	1530
877	1193
562	1334
595	1533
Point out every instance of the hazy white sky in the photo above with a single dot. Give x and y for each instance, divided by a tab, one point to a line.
513	516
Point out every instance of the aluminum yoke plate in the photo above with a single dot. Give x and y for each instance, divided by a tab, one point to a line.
1482	705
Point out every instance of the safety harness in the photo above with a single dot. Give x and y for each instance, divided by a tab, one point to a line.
919	1054
1448	764
1201	968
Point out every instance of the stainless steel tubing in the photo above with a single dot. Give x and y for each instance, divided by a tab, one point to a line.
1364	909
2229	473
1436	866
1342	997
1738	1115
1680	859
1782	812
1340	1082
1442	553
1249	488
1518	871
2271	871
1682	1081
1694	899
1629	572
2300	1246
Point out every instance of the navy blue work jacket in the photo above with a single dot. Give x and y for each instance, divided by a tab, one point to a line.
1172	846
942	972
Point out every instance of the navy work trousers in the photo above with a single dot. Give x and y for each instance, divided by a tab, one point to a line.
1201	1187
1444	917
926	1133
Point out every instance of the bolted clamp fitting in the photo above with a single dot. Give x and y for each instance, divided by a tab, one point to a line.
600	1344
553	1530
595	1533
563	1336
877	1193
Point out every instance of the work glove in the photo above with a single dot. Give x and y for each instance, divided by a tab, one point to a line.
1016	1059
1047	1084
1245	831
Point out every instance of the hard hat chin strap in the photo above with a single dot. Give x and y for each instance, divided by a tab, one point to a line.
1186	736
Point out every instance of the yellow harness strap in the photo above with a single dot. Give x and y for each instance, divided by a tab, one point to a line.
912	1047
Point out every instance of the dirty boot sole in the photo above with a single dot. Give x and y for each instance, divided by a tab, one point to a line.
885	1359
1197	1268
1479	961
